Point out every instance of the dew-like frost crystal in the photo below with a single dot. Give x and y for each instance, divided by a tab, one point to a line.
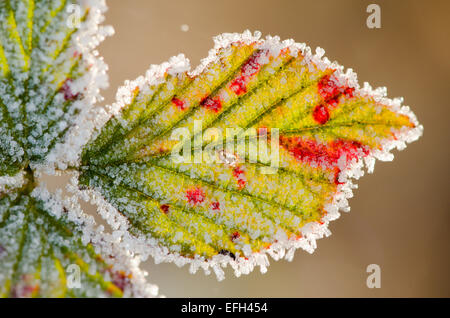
235	210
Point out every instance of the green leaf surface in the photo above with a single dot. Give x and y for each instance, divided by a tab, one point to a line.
235	209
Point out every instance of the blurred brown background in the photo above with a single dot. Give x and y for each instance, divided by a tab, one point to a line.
400	214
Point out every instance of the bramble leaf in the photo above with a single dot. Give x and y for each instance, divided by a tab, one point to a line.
235	210
48	76
42	253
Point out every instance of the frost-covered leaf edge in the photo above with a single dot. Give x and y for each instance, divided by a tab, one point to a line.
85	40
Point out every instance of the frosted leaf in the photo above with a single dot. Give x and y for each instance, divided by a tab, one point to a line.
43	238
49	77
236	212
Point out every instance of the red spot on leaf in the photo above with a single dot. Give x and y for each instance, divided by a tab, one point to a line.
24	291
25	288
333	102
329	154
164	208
213	104
349	92
327	87
179	103
195	196
239	174
238	86
321	114
250	68
330	91
120	279
235	235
